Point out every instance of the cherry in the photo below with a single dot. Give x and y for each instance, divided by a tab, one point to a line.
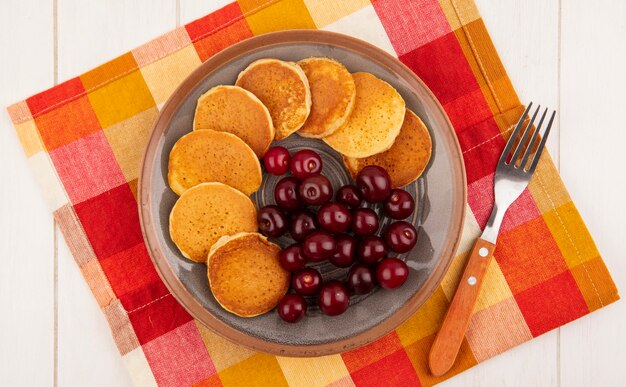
349	195
401	236
333	299
361	279
374	183
286	193
276	160
292	308
318	246
364	221
334	217
272	221
302	224
399	204
315	190
391	273
291	258
305	163
306	281
344	254
372	249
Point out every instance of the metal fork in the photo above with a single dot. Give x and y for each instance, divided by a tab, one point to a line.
512	176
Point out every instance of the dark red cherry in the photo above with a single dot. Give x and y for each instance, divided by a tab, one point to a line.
302	224
306	281
272	221
349	195
401	236
318	246
286	193
291	258
305	163
276	160
399	204
292	308
372	249
333	299
373	183
364	221
391	273
344	254
315	190
361	279
334	217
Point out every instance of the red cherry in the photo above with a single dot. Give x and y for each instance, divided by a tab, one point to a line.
391	273
333	299
344	254
276	160
334	217
272	221
286	193
361	279
305	163
318	246
306	281
315	190
374	183
364	221
401	237
349	195
399	204
291	258
292	308
302	224
372	249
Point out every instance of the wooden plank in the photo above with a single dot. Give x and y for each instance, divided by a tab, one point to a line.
592	136
91	33
526	35
26	225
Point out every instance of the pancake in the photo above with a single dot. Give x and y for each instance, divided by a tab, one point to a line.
207	212
375	120
209	156
283	88
332	96
235	110
406	159
245	275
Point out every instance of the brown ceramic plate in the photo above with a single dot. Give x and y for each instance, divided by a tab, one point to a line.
440	192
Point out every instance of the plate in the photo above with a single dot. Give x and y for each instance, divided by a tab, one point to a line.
440	194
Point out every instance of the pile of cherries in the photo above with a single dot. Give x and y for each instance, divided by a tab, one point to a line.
340	231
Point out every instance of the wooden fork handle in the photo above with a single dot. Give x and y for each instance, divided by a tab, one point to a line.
448	341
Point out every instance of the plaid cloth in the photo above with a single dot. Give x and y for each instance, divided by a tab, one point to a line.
84	139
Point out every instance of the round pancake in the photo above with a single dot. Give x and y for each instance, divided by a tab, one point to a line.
245	275
406	159
332	96
283	88
207	212
209	156
235	110
375	120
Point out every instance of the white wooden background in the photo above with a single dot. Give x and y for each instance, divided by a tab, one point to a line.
568	54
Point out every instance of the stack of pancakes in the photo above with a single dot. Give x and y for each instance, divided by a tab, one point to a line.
215	167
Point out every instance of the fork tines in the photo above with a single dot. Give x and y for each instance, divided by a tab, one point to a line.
523	144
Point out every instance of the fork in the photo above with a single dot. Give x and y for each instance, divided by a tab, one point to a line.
512	176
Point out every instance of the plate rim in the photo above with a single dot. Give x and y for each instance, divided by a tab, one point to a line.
173	283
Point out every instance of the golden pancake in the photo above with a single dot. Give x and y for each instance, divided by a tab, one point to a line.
332	96
209	156
283	88
207	212
245	275
235	110
375	120
406	159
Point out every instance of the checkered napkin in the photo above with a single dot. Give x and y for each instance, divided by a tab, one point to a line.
84	140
